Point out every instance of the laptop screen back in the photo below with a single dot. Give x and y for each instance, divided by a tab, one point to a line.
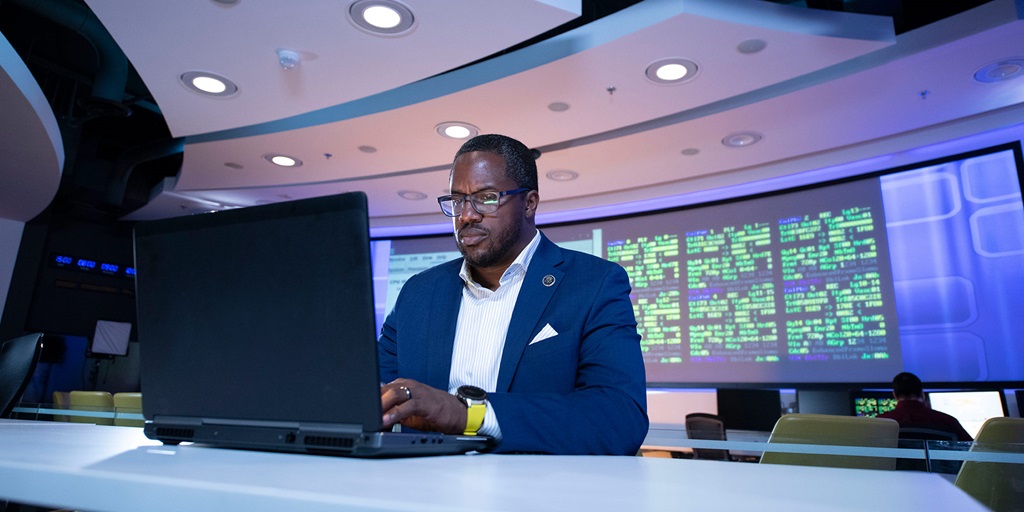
262	313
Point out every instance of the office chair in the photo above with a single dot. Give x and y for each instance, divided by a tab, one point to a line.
61	400
913	437
96	401
128	403
826	429
997	485
18	358
700	425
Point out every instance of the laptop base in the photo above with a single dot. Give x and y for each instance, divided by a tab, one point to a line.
297	439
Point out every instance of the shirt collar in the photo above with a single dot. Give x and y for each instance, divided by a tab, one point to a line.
517	268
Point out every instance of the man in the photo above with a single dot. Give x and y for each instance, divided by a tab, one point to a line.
912	411
548	333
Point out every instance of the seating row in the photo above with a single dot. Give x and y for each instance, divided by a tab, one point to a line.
100	402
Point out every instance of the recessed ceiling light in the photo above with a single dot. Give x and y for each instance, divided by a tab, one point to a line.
562	175
457	130
690	151
751	46
671	71
381	17
1000	70
233	165
742	139
412	195
558	106
208	84
367	149
283	160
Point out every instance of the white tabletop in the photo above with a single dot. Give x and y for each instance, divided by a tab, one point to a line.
106	468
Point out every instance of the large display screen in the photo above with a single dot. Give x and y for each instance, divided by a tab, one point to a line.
911	269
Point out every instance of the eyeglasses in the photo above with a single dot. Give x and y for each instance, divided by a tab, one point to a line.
483	202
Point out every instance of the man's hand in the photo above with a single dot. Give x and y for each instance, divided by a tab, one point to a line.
419	406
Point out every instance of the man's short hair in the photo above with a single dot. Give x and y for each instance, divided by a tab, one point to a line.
520	163
907	384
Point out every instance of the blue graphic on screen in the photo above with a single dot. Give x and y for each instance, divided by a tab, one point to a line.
956	236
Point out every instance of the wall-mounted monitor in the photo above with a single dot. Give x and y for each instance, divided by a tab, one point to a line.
871	403
916	268
970	408
749	409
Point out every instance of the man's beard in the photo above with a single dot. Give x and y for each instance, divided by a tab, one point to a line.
503	242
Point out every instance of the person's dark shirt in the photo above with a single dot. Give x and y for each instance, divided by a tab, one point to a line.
915	414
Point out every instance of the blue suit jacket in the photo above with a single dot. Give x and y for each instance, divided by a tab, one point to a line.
582	391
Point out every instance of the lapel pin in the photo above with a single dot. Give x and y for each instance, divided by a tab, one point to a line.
548	280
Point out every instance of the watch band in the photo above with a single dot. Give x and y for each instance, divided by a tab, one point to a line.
476	407
475	413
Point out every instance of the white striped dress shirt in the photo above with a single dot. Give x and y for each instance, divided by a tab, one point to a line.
484	317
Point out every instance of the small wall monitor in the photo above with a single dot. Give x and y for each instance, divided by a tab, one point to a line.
970	407
872	403
749	409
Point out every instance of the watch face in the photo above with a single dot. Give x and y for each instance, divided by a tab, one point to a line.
472	393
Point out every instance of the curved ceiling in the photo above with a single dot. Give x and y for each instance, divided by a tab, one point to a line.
33	153
360	110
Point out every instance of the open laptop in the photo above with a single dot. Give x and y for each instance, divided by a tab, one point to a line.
257	330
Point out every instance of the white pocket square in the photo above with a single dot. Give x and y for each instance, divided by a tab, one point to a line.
545	333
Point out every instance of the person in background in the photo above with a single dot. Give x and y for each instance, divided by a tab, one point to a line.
519	339
912	409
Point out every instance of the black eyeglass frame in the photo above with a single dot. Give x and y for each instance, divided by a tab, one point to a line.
471	198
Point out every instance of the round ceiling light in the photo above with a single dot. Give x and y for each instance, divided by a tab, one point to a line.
671	71
208	84
457	130
283	160
412	195
751	46
381	17
562	175
741	139
1000	70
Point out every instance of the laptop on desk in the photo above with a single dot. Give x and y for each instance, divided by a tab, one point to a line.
257	330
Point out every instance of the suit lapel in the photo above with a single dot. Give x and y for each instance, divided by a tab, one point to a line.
444	315
530	305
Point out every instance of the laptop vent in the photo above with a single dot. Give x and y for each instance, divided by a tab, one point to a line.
175	433
329	441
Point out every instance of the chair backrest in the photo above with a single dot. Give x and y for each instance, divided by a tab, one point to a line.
918	439
61	400
998	485
926	434
827	429
128	402
18	358
700	425
96	401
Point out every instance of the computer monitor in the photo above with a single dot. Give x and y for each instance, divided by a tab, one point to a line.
749	409
970	407
871	403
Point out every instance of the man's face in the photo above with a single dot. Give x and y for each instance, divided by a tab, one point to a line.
493	239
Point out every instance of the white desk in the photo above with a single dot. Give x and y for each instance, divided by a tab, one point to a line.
103	468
